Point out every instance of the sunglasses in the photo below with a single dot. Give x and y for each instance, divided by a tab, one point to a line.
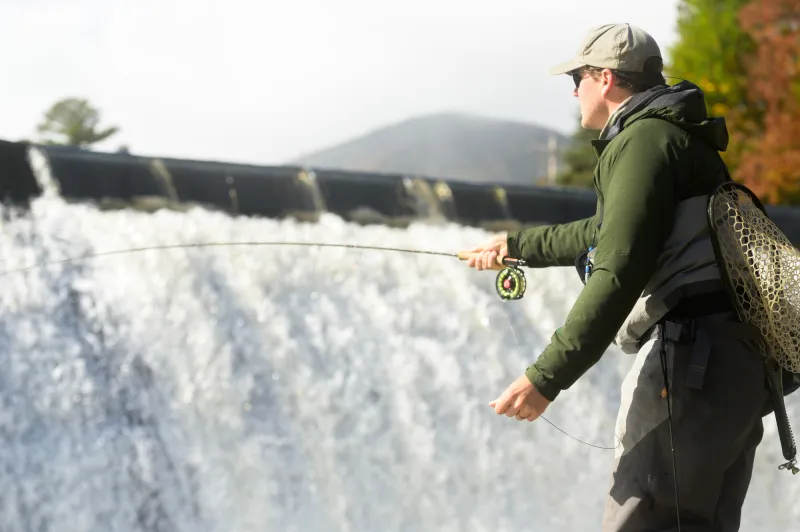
578	74
577	77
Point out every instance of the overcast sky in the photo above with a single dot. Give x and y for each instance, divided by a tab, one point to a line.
263	82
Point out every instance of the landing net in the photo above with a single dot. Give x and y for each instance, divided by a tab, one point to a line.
761	269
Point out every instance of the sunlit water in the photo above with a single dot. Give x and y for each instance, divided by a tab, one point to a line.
291	389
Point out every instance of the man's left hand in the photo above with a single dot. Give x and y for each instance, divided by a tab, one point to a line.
521	400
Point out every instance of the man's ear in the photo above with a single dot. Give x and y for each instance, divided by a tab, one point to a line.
607	80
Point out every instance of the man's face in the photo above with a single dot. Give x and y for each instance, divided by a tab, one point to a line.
590	89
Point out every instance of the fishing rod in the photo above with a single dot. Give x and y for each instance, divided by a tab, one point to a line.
510	282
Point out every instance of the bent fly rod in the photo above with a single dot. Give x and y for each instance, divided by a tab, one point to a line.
510	283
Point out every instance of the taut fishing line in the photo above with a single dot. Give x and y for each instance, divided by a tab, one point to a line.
510	282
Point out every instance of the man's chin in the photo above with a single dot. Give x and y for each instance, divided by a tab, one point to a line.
587	125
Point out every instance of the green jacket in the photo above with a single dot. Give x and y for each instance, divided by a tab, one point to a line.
657	150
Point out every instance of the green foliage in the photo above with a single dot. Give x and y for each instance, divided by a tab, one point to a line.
580	159
74	122
712	51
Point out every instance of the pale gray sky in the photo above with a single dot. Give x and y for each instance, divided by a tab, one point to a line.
263	82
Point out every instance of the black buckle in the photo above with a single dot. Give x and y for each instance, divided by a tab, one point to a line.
679	331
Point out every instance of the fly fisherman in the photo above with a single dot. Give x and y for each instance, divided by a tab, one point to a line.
652	280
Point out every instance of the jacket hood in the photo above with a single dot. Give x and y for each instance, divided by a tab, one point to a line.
682	104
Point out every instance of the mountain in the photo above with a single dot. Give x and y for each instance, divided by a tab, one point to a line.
447	145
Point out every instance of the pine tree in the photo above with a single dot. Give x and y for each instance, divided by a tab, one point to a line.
73	122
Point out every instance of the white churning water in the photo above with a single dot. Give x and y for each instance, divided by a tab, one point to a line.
291	389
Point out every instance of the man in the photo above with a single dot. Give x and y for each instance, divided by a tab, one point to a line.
653	287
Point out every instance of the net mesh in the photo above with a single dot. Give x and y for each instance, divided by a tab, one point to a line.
762	269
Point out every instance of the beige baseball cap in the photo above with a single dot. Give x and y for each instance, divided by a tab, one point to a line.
615	46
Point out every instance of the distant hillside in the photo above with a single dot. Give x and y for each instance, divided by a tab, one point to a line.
447	145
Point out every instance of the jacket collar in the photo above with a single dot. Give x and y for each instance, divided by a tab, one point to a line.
598	145
613	118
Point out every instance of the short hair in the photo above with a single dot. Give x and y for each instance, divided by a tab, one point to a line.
651	76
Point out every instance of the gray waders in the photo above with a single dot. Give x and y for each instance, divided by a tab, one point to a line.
692	404
717	394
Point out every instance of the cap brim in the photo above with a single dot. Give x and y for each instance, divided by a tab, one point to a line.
566	66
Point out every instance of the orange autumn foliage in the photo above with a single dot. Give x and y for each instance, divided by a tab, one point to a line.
770	163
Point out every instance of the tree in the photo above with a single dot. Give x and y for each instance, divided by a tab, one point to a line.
771	168
712	51
75	121
580	159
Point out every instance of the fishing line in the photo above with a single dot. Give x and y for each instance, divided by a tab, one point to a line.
510	283
218	244
519	345
562	431
581	441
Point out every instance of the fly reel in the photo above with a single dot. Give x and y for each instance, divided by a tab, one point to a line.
510	282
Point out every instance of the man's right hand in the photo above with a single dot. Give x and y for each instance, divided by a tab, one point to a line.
489	255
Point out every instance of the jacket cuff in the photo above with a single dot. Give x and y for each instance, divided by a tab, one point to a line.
548	390
512	241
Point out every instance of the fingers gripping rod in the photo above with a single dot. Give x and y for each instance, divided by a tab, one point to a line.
510	282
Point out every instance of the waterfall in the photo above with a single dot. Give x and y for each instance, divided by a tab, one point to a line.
292	389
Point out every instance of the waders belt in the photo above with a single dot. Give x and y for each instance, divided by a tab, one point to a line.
693	320
701	305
